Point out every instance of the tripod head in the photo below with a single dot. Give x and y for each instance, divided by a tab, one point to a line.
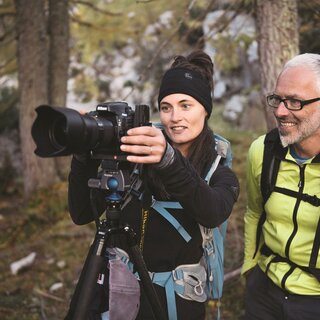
113	202
112	169
121	180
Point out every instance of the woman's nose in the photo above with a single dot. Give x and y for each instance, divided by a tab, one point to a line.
175	115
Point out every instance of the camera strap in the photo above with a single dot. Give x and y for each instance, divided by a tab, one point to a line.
135	185
146	201
144	221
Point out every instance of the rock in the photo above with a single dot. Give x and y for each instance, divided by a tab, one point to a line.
23	263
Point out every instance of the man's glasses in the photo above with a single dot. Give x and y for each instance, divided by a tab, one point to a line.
274	101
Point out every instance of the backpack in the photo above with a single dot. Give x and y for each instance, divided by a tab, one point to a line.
213	238
269	173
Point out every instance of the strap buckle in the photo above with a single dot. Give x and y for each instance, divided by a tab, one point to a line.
314	200
198	289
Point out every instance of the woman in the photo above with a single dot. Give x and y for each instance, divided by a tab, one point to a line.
176	160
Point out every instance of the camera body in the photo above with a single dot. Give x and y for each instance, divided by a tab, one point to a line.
61	131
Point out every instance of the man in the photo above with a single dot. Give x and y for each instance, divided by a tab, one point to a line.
282	222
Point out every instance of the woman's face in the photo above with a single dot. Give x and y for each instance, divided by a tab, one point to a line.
183	119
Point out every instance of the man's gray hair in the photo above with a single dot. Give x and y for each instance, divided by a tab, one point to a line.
311	60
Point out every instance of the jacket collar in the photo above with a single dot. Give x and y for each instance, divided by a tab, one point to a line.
280	152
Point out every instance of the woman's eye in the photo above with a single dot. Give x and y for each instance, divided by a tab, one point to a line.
164	108
186	106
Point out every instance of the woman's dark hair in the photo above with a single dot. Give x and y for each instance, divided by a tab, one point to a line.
197	61
200	155
202	151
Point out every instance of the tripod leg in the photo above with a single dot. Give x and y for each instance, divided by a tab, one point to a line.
137	259
88	280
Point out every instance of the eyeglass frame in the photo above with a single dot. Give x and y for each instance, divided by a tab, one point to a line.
302	102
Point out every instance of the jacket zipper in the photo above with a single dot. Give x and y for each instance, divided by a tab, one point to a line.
295	211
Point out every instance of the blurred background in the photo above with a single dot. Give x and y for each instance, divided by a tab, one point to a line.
78	53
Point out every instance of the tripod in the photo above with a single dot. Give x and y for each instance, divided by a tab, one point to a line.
95	260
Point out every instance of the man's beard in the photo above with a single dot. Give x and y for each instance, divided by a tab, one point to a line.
305	129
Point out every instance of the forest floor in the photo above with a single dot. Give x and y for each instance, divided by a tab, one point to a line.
43	226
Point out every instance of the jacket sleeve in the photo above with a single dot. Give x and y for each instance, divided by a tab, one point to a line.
254	203
79	193
209	205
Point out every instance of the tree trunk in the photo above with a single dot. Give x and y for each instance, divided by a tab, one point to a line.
278	38
58	52
58	64
32	59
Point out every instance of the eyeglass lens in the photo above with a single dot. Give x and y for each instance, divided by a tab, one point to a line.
290	103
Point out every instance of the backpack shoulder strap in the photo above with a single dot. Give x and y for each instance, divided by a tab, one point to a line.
223	149
269	172
270	165
213	168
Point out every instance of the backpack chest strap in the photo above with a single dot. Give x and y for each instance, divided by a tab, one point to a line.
162	206
313	200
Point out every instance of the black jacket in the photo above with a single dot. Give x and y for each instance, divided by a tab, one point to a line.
164	249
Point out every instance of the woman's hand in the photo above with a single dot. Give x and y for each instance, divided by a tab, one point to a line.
144	144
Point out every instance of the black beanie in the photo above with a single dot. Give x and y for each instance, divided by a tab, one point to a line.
182	80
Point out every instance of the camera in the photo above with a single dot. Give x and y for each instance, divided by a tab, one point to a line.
59	131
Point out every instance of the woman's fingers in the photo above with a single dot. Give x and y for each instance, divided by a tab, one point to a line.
144	144
143	159
138	149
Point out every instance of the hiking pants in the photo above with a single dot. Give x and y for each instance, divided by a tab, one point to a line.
266	301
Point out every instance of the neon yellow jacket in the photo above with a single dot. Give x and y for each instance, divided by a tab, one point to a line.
290	225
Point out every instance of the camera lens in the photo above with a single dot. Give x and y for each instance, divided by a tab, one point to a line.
61	131
58	132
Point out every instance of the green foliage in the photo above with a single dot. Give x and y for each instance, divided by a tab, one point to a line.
114	23
245	41
309	27
7	38
99	27
223	45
